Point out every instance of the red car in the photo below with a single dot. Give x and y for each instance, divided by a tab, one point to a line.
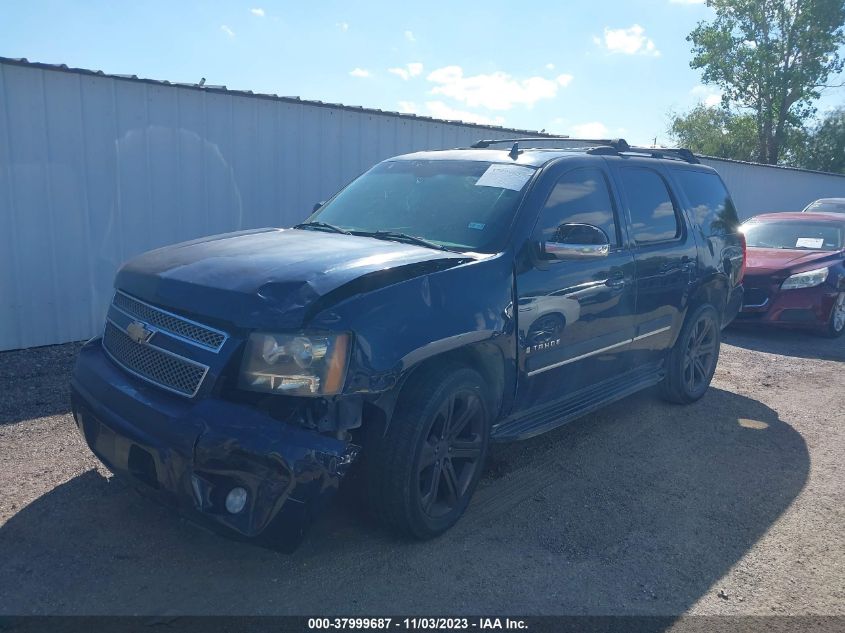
795	276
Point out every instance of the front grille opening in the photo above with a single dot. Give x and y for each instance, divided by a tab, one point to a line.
142	466
171	372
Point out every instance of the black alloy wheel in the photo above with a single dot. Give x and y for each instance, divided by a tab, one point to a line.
700	354
422	472
451	453
691	362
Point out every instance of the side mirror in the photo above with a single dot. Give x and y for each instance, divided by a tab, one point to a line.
318	205
577	241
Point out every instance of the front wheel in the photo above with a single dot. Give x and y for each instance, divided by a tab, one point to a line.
836	323
692	360
422	473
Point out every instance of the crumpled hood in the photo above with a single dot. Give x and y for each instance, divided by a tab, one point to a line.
768	261
272	278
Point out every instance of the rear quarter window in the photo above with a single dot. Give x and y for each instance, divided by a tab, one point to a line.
711	206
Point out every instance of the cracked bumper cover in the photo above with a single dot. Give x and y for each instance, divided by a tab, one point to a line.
189	454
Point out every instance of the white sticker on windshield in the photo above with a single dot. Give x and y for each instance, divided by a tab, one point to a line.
809	242
511	177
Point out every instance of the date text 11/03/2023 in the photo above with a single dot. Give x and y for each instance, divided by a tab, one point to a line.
415	624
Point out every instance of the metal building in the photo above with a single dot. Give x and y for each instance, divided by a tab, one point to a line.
97	168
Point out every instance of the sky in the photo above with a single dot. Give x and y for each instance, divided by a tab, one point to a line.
598	68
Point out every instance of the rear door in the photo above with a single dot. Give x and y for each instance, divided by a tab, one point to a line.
574	316
715	222
665	253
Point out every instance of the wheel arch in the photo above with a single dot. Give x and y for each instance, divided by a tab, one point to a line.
715	291
485	357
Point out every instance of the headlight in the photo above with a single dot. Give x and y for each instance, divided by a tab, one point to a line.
806	280
299	364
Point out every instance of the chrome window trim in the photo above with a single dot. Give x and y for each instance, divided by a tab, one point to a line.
135	317
205	368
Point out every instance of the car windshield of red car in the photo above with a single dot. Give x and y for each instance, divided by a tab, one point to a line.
794	235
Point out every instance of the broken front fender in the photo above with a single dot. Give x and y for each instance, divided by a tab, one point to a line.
401	325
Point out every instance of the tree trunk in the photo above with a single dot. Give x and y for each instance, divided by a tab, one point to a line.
765	141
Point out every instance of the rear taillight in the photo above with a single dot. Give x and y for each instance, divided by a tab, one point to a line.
741	275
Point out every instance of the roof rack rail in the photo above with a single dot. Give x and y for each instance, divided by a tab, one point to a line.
601	146
679	153
617	143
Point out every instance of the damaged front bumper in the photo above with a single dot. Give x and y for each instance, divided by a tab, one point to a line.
190	455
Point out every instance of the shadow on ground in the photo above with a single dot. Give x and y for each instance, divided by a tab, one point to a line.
639	508
796	343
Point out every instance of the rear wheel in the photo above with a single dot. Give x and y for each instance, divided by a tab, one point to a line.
836	324
692	361
422	473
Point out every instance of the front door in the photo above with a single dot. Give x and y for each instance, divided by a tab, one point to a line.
574	317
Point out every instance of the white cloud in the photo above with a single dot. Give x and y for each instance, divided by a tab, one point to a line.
440	110
410	70
227	30
343	26
630	41
550	66
496	91
564	80
708	95
409	35
593	129
408	107
359	72
257	11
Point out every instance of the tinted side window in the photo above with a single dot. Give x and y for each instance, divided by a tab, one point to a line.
711	206
653	215
580	196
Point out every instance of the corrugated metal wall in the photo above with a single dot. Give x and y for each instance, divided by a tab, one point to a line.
761	189
95	169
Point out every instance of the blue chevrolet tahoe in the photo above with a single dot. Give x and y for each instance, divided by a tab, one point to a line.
441	301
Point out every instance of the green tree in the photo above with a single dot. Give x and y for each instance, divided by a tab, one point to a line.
824	148
715	131
771	57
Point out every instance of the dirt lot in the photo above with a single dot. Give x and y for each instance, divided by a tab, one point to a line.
735	505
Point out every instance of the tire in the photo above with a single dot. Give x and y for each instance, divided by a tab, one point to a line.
836	323
692	361
417	483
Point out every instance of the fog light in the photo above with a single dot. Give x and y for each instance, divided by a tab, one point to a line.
235	500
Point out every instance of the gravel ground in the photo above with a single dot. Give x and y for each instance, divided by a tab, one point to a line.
734	505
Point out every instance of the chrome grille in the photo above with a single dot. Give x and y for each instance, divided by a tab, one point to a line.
158	366
191	331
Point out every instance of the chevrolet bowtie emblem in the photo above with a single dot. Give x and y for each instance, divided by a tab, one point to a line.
139	332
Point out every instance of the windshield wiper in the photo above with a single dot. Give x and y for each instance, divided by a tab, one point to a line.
402	237
322	226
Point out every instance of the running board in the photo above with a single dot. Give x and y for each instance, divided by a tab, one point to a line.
547	417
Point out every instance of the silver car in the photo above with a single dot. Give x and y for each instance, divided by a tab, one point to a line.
830	205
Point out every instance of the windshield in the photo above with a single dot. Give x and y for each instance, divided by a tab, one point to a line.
794	235
837	206
462	205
